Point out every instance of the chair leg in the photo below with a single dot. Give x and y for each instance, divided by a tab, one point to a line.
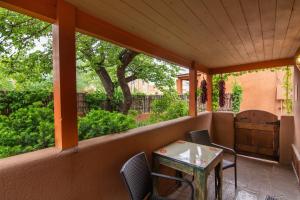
235	176
179	175
216	185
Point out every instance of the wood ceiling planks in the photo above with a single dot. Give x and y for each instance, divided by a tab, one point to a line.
214	33
268	20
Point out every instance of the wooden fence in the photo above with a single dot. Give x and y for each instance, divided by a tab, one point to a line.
142	104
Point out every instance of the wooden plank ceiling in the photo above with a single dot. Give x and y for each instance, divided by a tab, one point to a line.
214	33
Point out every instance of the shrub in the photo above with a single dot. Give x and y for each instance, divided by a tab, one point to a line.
176	109
11	101
98	100
237	92
160	105
101	122
170	106
26	129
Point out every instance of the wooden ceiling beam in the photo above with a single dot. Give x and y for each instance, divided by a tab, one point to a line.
87	24
201	68
90	25
42	9
253	66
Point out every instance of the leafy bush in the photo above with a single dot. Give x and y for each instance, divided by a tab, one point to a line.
101	122
97	100
170	106
237	92
26	129
11	101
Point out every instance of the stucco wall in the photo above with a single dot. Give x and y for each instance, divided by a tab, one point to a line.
223	128
90	171
259	90
286	137
297	108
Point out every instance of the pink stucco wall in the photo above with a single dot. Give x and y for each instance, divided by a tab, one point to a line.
259	90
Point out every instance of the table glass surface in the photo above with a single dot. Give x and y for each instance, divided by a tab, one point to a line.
193	154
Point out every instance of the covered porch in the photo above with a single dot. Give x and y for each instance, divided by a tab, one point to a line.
211	37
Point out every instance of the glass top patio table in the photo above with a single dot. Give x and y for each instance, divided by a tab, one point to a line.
196	155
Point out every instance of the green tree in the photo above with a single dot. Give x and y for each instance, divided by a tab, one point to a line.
25	51
21	54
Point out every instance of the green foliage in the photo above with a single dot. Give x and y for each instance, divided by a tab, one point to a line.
237	93
100	122
96	100
11	101
288	86
27	129
25	51
170	106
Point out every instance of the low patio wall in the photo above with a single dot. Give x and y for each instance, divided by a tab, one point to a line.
286	139
90	171
223	128
223	133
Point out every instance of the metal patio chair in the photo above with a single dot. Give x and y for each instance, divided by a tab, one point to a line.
139	179
202	137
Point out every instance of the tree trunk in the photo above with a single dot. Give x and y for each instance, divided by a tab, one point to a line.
108	86
126	56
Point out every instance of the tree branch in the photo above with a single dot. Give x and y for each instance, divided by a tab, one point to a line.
131	78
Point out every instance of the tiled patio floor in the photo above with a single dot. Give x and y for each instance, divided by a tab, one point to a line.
256	179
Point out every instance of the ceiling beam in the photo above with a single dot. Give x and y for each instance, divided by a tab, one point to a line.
201	68
90	25
253	66
87	24
42	9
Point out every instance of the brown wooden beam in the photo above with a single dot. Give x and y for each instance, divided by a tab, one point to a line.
98	28
209	103
192	91
42	9
201	68
179	86
253	66
64	62
87	24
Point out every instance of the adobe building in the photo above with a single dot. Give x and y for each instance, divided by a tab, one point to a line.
262	90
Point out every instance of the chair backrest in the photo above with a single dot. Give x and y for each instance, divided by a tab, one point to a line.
137	176
200	137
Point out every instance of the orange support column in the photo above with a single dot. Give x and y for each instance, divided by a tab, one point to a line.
179	86
209	92
193	86
64	61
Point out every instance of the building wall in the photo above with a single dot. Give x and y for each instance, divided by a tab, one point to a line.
296	146
259	90
143	87
297	108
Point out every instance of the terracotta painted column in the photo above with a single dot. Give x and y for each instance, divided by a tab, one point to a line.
179	86
64	63
209	92
192	90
